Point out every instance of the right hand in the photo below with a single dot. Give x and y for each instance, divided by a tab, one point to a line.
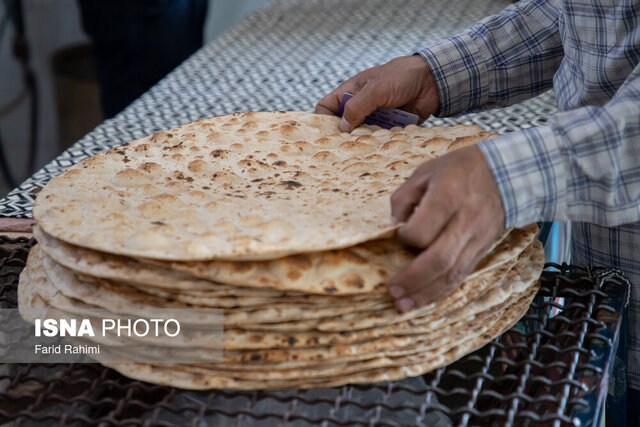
405	82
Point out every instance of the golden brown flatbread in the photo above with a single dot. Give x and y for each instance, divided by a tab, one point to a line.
250	186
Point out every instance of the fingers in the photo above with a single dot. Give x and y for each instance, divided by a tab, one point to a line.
458	216
406	198
449	282
428	219
444	265
322	109
362	104
431	267
403	81
330	104
420	293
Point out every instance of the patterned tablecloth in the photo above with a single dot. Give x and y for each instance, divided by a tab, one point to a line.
286	57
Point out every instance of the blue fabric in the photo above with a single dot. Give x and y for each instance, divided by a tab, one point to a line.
138	42
584	165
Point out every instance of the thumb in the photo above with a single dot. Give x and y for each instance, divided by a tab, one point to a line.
360	106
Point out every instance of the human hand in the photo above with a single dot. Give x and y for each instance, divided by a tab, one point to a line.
405	82
453	211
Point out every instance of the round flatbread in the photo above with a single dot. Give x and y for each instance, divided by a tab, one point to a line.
362	269
250	186
67	291
198	378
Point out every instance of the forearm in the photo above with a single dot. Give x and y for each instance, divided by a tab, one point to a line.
503	59
584	166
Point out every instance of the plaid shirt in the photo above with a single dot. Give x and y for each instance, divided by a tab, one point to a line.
583	166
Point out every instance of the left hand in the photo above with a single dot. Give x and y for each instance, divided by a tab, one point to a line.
405	82
453	211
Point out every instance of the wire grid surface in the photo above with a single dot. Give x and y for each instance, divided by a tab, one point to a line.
286	57
551	368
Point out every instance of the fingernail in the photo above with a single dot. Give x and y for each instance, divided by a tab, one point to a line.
344	125
405	304
396	291
394	220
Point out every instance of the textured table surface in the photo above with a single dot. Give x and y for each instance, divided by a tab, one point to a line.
286	57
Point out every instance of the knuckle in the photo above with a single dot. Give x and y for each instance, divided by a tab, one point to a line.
360	80
456	275
475	212
382	89
326	97
443	260
323	100
351	114
351	81
450	187
445	200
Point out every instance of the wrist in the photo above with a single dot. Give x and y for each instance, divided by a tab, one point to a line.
430	88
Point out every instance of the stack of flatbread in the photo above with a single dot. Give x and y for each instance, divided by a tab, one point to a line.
283	223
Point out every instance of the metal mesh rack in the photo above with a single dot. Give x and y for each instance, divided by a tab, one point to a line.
551	369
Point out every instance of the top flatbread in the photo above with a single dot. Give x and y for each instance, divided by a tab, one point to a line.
250	186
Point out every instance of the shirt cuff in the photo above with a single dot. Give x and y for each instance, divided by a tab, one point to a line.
531	176
460	73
